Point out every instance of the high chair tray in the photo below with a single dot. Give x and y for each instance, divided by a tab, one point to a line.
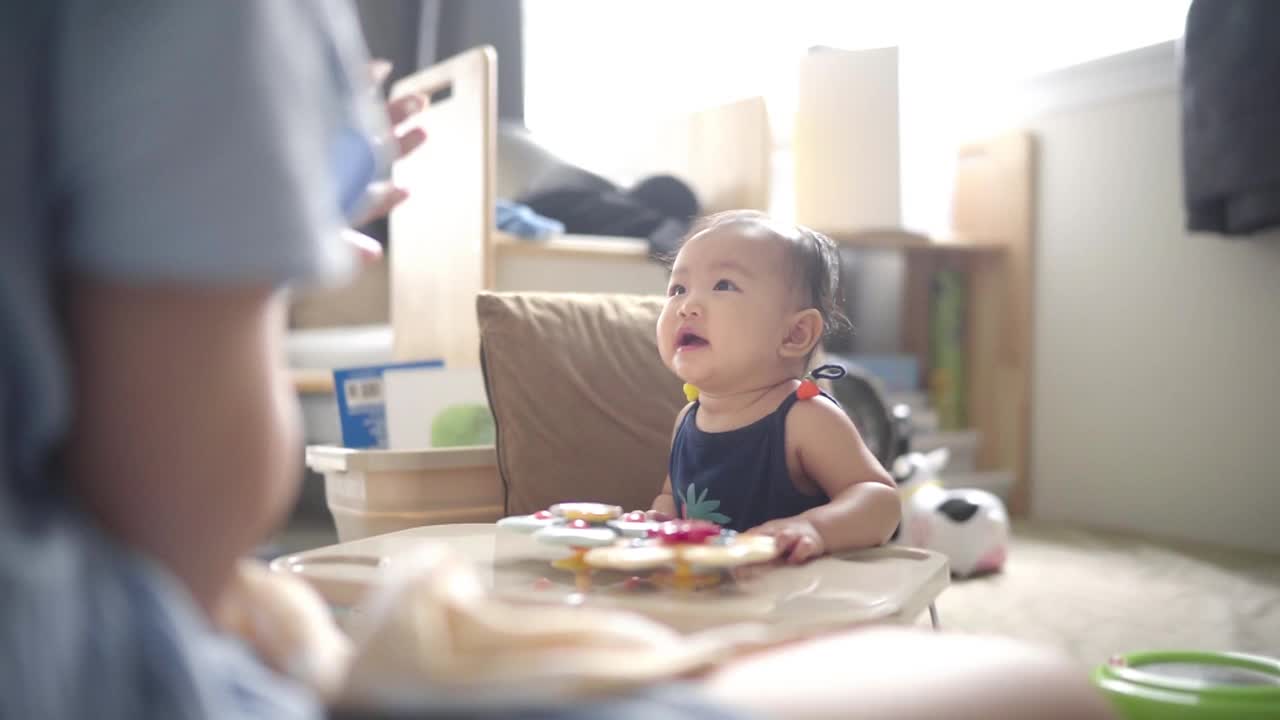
880	585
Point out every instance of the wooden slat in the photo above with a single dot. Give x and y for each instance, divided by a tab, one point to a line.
586	246
312	382
440	247
724	152
897	239
994	198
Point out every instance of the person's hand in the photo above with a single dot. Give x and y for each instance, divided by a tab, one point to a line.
406	137
287	625
366	247
798	540
658	516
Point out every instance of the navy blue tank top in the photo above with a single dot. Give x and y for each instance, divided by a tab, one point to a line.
737	478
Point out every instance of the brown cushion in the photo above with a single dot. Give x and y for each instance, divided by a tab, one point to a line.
584	406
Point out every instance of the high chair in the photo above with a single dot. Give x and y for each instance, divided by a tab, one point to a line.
584	409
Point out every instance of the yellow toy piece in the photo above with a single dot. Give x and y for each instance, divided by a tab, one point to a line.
590	512
578	566
690	392
688	555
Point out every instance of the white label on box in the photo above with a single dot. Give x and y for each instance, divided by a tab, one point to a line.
363	392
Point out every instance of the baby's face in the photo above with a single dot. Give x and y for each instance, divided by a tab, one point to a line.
728	303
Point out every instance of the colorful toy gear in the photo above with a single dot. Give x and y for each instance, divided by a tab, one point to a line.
688	554
580	527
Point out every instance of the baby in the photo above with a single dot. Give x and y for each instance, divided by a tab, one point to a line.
748	303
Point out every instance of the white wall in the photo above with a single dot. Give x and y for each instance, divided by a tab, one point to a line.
1157	353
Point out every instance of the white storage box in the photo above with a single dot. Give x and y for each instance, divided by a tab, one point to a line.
373	492
962	444
916	400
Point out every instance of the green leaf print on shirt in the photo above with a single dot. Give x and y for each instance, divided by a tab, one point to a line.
698	507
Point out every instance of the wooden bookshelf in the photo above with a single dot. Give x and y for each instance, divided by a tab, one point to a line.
993	245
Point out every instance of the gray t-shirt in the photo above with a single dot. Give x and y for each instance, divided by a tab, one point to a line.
204	142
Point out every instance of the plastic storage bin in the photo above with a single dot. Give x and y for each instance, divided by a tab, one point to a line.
373	492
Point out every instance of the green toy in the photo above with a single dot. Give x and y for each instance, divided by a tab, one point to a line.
1191	686
462	425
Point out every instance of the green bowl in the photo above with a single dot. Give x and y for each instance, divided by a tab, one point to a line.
1192	686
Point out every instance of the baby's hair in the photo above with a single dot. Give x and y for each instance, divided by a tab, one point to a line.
814	257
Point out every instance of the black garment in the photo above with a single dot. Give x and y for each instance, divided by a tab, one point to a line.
1231	116
659	208
738	478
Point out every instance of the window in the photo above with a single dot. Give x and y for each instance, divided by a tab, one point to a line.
594	69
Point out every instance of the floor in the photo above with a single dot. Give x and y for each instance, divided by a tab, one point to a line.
1093	594
309	526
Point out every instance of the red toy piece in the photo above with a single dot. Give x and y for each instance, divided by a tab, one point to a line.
685	532
808	389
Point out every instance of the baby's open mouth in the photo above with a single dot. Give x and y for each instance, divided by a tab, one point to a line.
688	340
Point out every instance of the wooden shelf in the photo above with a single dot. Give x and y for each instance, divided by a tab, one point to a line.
312	382
594	246
898	239
602	246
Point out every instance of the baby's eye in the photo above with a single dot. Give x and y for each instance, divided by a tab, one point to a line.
726	286
675	290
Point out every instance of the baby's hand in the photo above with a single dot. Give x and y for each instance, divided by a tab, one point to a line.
798	540
658	516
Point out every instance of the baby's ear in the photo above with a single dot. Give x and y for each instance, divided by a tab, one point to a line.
803	334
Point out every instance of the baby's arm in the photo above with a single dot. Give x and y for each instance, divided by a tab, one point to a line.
864	508
664	506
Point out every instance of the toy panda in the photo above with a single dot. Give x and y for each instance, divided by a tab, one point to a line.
970	527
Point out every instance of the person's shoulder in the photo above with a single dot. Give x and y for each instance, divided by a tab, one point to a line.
817	416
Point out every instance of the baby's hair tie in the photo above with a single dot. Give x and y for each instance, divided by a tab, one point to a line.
809	384
690	392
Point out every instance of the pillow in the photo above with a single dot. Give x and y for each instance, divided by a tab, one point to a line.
583	405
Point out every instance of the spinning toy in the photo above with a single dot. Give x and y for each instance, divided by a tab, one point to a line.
684	554
580	527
